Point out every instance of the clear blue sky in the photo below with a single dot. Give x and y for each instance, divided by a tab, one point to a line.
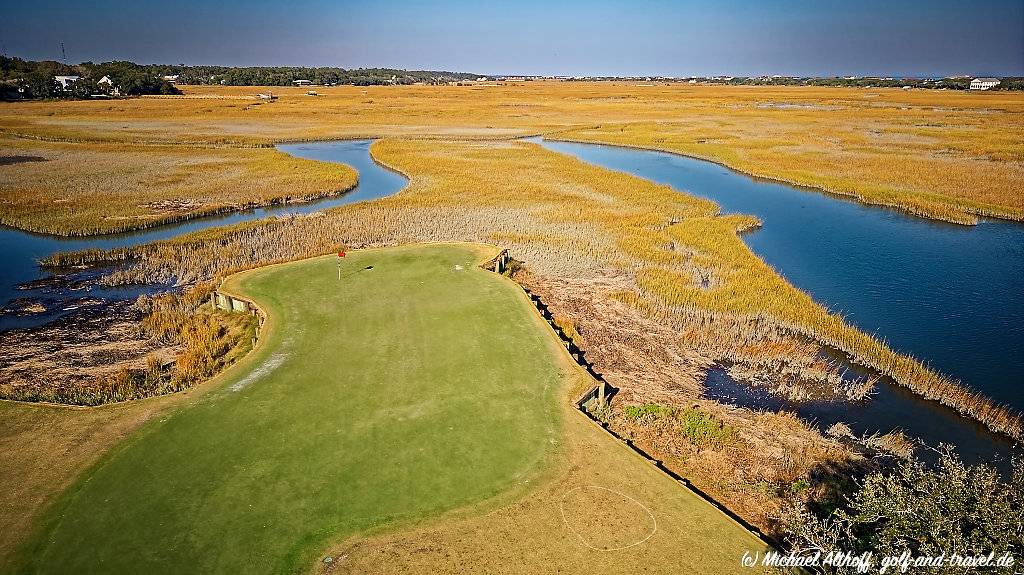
596	37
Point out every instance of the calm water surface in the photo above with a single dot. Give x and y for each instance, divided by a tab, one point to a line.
20	251
950	295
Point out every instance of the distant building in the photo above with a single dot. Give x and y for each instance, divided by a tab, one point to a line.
984	83
66	81
110	87
171	78
301	82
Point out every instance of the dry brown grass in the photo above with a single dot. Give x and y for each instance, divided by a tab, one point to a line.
951	155
649	362
72	358
119	354
767	461
88	188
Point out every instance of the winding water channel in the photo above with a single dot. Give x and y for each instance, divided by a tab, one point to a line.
20	251
950	295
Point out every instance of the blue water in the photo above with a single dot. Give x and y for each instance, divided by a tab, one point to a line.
950	295
20	251
891	408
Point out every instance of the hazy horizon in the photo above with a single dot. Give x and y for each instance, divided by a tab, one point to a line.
902	38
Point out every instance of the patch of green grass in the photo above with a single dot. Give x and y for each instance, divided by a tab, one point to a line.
699	427
705	430
652	410
391	396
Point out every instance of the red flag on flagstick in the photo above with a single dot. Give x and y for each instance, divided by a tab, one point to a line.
341	254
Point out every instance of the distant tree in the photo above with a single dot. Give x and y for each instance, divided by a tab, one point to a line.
39	84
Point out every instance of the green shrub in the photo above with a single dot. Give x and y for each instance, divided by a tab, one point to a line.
655	411
924	510
699	427
705	430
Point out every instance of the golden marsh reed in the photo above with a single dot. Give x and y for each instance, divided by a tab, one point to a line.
940	154
80	189
564	219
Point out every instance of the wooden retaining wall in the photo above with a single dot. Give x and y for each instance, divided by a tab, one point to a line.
499	263
602	393
226	302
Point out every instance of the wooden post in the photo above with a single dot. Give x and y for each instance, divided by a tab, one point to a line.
600	393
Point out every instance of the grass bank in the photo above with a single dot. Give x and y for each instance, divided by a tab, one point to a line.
415	385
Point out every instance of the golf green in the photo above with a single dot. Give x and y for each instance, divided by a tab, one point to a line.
414	385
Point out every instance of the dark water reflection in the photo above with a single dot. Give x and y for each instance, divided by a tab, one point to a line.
891	408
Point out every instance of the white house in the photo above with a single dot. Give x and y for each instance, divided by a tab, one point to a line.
301	82
66	81
110	87
984	83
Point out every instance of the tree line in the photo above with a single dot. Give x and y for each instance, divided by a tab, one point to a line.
324	76
25	79
21	79
958	83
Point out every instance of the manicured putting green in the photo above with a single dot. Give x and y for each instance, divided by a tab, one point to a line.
401	391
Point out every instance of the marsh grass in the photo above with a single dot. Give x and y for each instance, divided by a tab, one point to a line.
894	442
206	340
756	462
91	188
947	155
565	218
957	177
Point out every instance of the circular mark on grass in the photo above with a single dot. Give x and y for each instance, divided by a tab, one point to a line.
606	520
